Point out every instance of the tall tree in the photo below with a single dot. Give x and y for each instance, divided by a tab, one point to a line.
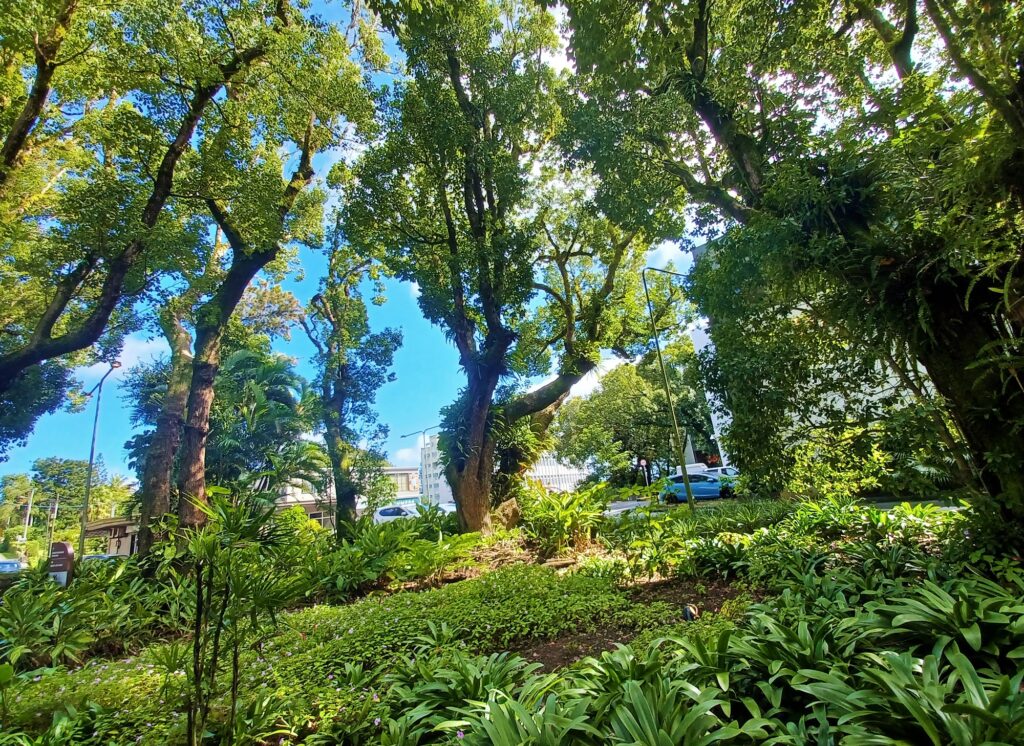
352	364
265	312
588	275
157	69
310	101
823	133
445	196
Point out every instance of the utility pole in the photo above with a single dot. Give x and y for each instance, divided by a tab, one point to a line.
679	439
51	520
28	515
98	389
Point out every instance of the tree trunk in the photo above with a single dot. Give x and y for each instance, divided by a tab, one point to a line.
513	463
344	489
192	469
46	49
156	479
988	409
470	472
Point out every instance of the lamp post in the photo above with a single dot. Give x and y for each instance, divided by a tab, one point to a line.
98	390
679	440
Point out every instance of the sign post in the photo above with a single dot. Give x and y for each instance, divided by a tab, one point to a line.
62	562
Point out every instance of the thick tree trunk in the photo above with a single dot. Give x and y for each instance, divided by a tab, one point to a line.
988	409
513	463
470	472
246	262
157	477
192	468
540	405
344	490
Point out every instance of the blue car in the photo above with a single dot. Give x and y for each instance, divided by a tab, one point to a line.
704	486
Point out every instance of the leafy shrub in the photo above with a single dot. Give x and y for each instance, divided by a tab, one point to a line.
558	521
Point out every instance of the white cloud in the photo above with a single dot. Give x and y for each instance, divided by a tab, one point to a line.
414	290
410	455
406	457
136	350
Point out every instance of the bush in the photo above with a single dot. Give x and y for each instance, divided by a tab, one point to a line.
558	521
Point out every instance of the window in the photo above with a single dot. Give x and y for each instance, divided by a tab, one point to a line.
391	512
699	478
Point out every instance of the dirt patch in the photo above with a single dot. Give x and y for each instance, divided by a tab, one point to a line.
562	651
706	595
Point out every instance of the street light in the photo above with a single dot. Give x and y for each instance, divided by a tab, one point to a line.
679	440
424	431
98	390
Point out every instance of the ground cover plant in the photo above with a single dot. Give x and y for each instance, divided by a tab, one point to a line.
836	623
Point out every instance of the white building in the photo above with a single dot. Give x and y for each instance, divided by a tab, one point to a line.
556	476
433	483
548	470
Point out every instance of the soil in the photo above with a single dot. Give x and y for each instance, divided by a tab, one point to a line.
705	595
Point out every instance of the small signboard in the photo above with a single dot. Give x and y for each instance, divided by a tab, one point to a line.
62	561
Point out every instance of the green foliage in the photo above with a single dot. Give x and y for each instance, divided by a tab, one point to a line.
320	660
626	418
559	521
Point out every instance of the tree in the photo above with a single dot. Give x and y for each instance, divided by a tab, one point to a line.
793	378
142	77
589	277
444	197
261	416
901	199
258	213
353	363
264	310
626	419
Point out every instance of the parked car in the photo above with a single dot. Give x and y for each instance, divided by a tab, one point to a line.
11	567
704	487
723	471
393	513
447	507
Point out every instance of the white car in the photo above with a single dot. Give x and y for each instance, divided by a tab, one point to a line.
393	513
448	507
724	471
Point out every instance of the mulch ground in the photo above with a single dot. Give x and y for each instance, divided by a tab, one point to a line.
706	595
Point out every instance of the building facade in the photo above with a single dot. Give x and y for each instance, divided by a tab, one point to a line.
548	470
434	485
407	483
556	476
